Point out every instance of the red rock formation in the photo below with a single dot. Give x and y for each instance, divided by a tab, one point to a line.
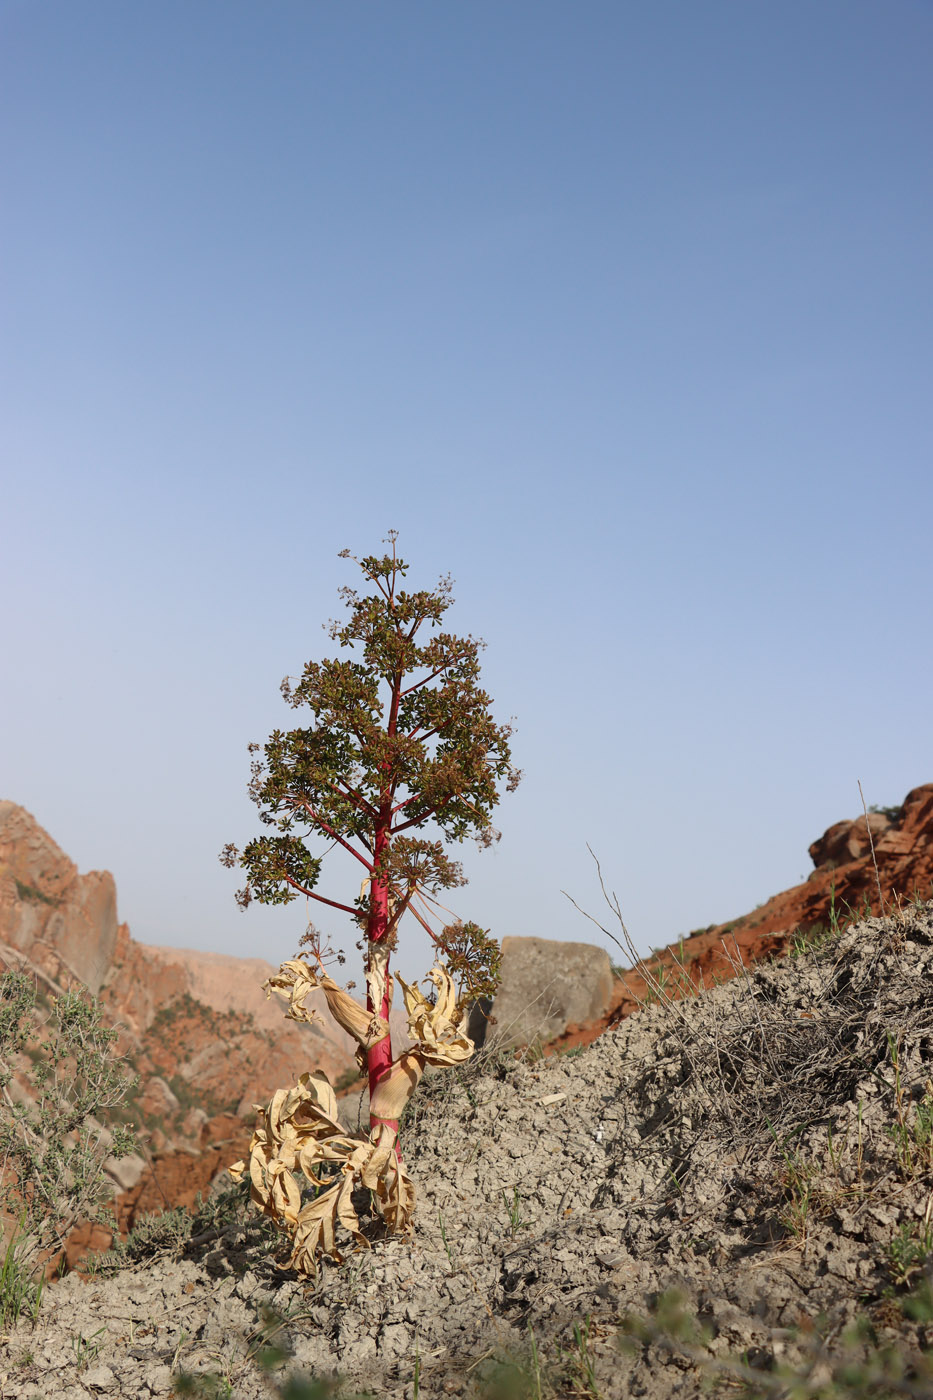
178	1178
64	922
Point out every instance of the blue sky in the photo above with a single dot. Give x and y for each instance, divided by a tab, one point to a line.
619	313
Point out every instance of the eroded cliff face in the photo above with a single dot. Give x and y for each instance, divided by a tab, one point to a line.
196	1027
66	923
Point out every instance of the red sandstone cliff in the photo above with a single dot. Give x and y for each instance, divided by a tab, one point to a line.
65	923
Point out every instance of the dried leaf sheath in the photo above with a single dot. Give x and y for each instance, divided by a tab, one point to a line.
298	1135
436	1028
296	978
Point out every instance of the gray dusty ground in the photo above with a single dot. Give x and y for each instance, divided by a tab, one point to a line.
712	1193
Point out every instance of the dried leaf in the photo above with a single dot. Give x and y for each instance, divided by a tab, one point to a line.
397	1085
293	981
314	1231
299	1143
435	1028
398	1204
298	1135
365	1027
296	978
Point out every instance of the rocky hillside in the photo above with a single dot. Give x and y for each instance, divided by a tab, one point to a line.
842	885
733	1189
208	1044
196	1026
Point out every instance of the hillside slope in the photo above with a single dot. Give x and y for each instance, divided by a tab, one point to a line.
842	885
718	1189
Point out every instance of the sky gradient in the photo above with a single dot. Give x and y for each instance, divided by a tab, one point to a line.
619	313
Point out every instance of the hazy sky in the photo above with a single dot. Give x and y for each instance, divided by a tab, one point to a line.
620	313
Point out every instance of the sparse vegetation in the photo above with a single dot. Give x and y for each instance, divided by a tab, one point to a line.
170	1233
350	1079
20	1288
86	1348
910	1248
912	1130
187	1009
34	895
513	1209
894	814
53	1143
830	1363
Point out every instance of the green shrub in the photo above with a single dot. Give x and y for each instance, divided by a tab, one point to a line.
52	1140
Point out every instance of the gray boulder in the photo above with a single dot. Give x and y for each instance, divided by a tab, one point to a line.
546	986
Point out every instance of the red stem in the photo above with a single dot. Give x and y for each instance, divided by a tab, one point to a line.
400	806
427	679
379	1056
325	826
345	790
415	821
319	897
423	922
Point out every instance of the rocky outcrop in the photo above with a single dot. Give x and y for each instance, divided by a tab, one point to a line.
845	842
202	1025
843	884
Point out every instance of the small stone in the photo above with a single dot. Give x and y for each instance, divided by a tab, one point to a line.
364	1349
396	1340
100	1378
158	1378
609	1257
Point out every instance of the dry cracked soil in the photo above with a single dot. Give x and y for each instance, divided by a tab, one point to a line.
732	1192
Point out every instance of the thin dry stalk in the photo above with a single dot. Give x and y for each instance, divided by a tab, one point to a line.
786	1066
740	970
641	968
872	847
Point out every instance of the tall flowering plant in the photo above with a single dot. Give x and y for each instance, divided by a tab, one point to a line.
400	757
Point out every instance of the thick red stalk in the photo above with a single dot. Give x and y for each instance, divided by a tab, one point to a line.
379	1056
